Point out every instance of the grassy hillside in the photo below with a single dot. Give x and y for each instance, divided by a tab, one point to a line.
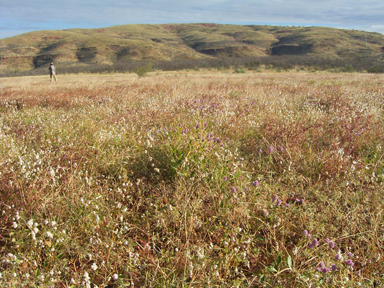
182	41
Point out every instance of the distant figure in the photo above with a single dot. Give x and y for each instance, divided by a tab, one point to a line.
52	71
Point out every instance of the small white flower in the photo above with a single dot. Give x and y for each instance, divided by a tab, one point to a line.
97	218
35	230
115	277
14	224
49	235
94	266
30	223
86	276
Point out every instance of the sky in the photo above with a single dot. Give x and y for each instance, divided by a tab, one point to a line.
20	16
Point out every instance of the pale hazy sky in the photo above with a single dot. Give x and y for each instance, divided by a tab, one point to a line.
20	16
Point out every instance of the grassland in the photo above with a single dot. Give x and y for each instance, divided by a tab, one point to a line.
192	180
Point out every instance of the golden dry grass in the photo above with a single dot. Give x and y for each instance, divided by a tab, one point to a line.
193	179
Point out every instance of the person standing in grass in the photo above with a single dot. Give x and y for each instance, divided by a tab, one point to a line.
52	71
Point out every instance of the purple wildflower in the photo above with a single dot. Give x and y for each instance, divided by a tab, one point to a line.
256	183
206	125
278	203
225	178
349	262
197	126
321	264
299	201
331	244
349	254
305	232
325	270
314	243
260	151
270	150
265	212
281	149
233	189
327	240
275	198
287	205
334	267
246	189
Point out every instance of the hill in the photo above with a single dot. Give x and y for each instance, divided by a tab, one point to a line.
117	44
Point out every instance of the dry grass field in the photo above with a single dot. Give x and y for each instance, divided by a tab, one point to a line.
195	179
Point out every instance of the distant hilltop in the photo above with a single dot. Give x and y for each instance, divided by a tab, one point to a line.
170	42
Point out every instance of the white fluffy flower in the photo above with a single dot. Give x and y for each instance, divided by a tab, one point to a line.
49	235
94	266
30	223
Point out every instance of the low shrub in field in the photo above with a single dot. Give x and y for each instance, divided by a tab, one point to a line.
203	182
143	70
